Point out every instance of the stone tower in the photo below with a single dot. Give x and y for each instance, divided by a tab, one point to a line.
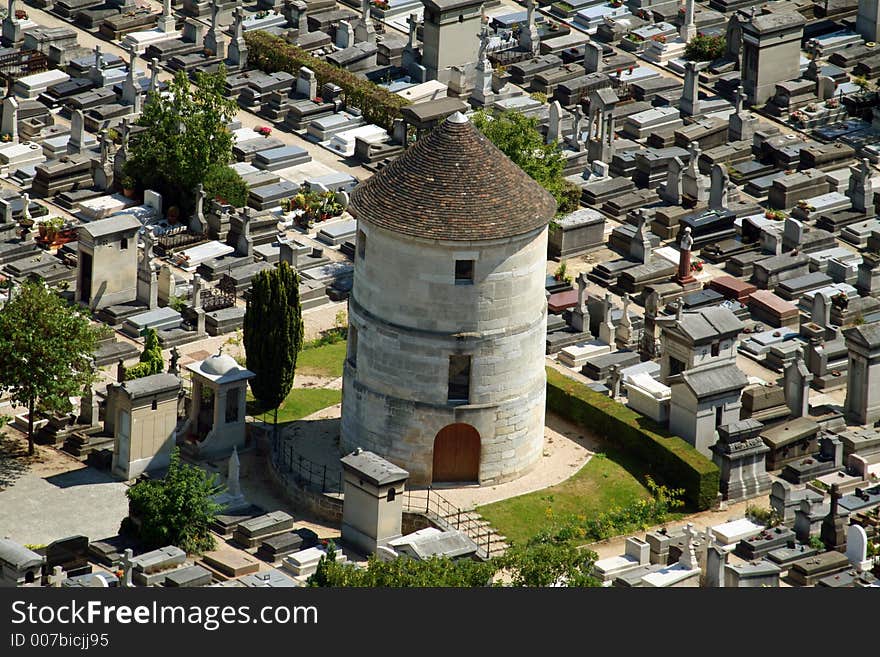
447	315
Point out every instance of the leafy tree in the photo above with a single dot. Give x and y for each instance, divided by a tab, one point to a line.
543	564
177	510
273	334
225	183
187	134
548	564
46	351
518	137
704	48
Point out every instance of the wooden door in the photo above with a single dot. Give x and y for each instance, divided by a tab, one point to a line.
457	454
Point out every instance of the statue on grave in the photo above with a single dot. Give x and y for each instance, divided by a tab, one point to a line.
614	379
26	208
175	357
98	57
482	57
684	276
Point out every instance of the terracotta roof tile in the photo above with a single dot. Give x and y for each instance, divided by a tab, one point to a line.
454	184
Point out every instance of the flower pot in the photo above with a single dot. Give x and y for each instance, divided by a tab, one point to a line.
128	192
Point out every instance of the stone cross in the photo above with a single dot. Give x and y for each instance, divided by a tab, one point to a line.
690	97
127	567
10	11
238	24
688	555
413	22
166	7
582	292
57	577
215	16
154	74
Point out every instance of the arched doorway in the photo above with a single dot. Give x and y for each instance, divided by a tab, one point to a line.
456	454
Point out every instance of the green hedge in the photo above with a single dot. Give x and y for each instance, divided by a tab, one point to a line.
271	53
668	458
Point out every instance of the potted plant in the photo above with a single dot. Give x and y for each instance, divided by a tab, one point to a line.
173	214
128	184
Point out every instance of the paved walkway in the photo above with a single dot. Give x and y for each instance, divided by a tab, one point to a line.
38	510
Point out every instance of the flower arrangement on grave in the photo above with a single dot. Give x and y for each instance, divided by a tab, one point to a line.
659	38
560	274
263	130
380	4
6	137
21	14
616	3
261	14
777	215
697	265
840	300
832	103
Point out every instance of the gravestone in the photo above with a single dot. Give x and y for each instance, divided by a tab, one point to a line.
857	548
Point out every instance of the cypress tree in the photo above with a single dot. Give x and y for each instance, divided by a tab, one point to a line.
273	334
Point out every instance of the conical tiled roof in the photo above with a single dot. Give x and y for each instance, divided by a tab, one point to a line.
454	184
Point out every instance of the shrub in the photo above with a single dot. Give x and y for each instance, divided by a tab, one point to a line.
225	183
705	48
271	53
668	458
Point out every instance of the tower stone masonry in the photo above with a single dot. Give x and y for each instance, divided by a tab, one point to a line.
445	370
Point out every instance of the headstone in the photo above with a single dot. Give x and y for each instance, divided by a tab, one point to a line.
77	132
344	35
857	548
127	567
554	128
10	119
718	187
307	83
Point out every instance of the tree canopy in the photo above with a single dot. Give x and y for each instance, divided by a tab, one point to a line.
187	134
518	137
46	349
533	565
273	333
177	510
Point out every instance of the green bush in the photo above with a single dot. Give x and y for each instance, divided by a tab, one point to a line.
705	48
138	371
668	458
225	183
271	53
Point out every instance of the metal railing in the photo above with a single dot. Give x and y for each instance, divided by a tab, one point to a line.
445	514
295	469
300	471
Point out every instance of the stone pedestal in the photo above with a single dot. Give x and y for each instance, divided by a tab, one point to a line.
739	454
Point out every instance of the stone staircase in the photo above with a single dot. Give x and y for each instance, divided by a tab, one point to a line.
447	516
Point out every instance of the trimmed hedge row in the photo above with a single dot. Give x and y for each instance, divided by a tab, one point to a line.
668	458
272	53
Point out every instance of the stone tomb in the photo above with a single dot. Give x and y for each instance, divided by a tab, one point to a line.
151	568
189	576
251	533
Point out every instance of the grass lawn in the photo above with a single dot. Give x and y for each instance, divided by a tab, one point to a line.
325	361
300	403
612	480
